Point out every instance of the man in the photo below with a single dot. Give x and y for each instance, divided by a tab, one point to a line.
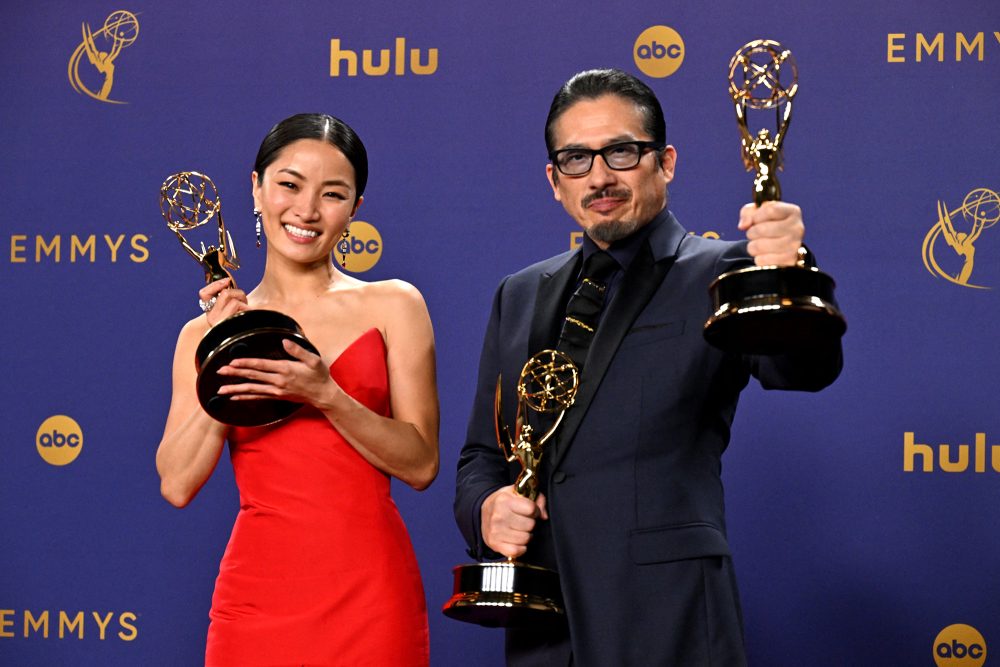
630	512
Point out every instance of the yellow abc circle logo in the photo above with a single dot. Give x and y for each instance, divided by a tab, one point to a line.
361	249
59	440
959	645
658	51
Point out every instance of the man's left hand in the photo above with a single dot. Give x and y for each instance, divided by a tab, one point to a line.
775	232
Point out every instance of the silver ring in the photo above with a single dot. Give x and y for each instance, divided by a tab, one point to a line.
206	305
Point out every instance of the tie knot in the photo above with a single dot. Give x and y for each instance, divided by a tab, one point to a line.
599	267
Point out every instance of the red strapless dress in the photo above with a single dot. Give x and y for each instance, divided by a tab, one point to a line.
319	569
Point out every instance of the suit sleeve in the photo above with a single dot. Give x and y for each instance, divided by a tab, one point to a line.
811	370
481	467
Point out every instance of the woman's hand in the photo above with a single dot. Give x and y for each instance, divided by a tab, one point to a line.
226	300
303	379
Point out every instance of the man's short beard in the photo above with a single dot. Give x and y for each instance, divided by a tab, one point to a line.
614	230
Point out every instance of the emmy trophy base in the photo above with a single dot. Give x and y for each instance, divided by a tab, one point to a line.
255	334
773	310
504	594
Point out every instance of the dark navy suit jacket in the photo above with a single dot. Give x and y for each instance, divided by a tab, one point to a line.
637	528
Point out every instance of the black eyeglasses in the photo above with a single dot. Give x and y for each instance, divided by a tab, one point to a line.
624	155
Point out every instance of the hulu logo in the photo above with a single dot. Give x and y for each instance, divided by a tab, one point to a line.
387	59
977	457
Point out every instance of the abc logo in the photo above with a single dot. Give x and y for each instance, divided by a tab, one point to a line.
59	440
658	51
361	249
959	646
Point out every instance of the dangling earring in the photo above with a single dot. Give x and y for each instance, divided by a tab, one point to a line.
344	245
257	215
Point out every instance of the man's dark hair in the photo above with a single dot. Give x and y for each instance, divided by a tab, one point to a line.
322	127
596	83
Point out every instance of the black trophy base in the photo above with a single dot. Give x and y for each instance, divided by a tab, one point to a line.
773	310
254	334
504	595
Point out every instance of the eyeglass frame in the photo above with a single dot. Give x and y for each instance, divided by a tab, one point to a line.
594	152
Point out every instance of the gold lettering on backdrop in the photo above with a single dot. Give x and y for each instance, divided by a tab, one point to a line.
894	47
81	248
394	59
400	56
948	465
86	247
432	62
912	449
924	46
980	452
370	68
961	44
102	627
17	248
34	623
934	46
143	252
48	248
65	624
72	624
114	246
124	621
337	56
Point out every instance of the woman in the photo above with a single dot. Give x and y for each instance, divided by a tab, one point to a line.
319	569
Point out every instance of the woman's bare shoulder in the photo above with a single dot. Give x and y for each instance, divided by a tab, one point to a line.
396	302
192	331
391	292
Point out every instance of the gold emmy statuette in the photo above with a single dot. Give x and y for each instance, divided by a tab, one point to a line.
508	593
769	309
189	200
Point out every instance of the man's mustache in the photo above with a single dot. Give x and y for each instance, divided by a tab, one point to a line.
613	193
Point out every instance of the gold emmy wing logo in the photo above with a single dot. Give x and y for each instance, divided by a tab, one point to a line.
979	211
361	249
101	49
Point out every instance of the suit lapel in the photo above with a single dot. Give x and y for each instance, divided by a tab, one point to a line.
643	277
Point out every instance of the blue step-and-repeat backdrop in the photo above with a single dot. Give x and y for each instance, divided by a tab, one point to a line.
862	518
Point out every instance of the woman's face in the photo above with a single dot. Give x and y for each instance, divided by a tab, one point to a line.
307	198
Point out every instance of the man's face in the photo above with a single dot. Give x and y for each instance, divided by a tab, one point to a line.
610	204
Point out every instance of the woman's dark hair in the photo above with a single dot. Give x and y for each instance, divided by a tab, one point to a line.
596	83
319	126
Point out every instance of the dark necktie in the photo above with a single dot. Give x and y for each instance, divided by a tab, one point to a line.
584	308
